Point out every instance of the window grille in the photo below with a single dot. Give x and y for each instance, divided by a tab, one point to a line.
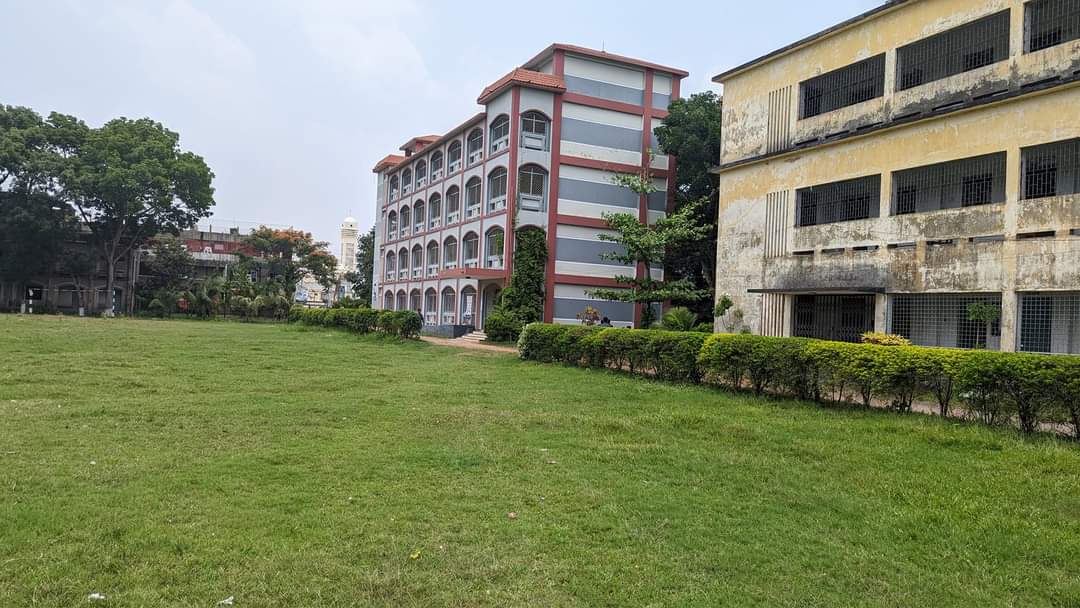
449	306
532	182
450	254
393	187
419	218
500	133
493	256
1050	23
497	190
436	165
946	320
1050	323
417	262
401	300
842	318
431	308
534	130
472	197
471	251
979	180
421	174
847	86
435	210
406	181
476	146
961	49
453	157
453	205
433	259
1051	169
852	199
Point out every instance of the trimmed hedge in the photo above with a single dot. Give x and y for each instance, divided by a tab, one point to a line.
403	323
995	388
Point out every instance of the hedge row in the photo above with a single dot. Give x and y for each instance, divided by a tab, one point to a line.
403	323
995	388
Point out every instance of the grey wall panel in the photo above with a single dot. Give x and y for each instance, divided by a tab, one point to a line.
589	252
660	101
604	90
595	134
593	192
658	201
622	312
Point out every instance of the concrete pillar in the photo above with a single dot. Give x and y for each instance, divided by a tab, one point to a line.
1010	317
881	307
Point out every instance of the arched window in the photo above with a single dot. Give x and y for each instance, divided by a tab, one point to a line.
468	305
500	133
494	243
401	301
435	211
414	301
406	181
405	220
433	259
472	197
391	265
449	308
431	306
475	146
393	187
388	301
449	255
421	174
453	205
417	262
419	217
497	190
532	188
436	166
470	250
453	157
403	264
534	131
391	226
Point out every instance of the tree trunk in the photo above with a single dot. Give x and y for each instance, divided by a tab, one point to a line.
110	279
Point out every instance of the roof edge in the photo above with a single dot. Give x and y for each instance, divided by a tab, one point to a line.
877	11
581	50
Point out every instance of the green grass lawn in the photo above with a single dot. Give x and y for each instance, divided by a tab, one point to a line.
179	463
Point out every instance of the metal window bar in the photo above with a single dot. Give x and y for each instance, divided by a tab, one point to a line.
966	182
1050	323
946	320
852	199
844	87
1051	169
961	49
1050	23
842	318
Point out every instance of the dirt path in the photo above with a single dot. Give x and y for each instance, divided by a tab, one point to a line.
470	345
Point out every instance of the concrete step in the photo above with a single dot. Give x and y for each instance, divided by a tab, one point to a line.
476	336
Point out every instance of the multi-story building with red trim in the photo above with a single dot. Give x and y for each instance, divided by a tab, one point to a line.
541	153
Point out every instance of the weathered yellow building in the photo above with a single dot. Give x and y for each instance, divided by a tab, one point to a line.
915	170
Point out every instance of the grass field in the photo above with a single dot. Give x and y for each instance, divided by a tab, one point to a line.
179	463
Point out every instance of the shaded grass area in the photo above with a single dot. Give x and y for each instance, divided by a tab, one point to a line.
167	463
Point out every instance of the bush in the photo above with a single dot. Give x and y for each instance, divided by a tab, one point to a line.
884	339
673	355
404	323
679	318
503	326
540	342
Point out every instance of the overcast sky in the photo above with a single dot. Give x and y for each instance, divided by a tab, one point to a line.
291	102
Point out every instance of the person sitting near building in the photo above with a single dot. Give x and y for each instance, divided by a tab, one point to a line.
605	322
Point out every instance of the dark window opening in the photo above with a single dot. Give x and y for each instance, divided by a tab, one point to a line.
852	199
1051	169
977	190
979	180
840	318
844	87
1050	23
1050	323
963	48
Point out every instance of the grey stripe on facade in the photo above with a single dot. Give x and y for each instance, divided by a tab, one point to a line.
660	101
604	90
622	312
595	134
589	252
607	194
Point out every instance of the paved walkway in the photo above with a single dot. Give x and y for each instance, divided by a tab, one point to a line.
494	348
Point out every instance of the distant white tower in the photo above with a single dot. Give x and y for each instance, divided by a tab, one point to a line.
347	259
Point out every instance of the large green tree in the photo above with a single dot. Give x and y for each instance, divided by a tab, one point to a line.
289	255
691	132
129	181
365	267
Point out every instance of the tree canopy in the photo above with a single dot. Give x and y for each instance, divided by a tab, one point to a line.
289	255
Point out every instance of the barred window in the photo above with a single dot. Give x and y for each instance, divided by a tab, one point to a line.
1050	23
961	49
947	320
1050	323
1051	169
841	318
979	180
852	199
847	86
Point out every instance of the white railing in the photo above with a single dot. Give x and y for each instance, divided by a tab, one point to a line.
495	261
418	227
448	318
421	182
436	175
403	274
451	265
500	144
472	263
451	218
430	318
417	273
453	167
475	157
530	202
533	141
432	270
407	188
472	211
404	232
390	274
435	223
497	204
391	234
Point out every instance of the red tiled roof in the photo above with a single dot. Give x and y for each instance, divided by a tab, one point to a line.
418	141
580	50
388	161
523	77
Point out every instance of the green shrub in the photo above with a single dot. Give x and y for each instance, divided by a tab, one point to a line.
503	326
573	344
704	328
296	313
884	339
679	318
942	368
615	348
409	324
673	355
726	358
540	342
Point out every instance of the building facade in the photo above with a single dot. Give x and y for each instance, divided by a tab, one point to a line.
913	170
541	153
347	255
